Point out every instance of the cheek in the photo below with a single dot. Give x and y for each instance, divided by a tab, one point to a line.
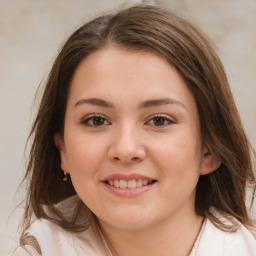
85	158
178	156
85	154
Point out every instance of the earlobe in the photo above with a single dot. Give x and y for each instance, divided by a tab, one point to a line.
59	142
209	163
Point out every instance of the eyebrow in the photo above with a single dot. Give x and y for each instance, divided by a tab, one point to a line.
160	102
144	104
96	102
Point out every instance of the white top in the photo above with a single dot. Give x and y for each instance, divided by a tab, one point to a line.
54	241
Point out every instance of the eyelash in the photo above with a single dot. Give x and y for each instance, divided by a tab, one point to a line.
91	118
167	121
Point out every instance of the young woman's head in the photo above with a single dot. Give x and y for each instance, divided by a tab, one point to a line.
138	96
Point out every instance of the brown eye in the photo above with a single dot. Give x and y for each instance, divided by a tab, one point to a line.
95	121
160	121
98	121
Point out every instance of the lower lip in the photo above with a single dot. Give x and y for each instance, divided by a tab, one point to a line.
128	192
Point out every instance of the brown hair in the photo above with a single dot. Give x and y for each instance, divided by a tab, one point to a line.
151	28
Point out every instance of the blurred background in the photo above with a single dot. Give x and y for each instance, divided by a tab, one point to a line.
31	32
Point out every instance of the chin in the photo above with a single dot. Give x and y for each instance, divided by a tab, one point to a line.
129	224
129	220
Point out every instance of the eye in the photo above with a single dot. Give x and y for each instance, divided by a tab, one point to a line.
95	120
160	120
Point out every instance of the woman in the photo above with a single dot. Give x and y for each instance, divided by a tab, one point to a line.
138	148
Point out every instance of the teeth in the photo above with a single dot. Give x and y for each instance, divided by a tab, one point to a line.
144	182
123	184
139	183
116	183
129	184
132	184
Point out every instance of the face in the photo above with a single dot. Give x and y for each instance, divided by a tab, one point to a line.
132	141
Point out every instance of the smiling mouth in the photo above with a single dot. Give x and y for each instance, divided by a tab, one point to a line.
129	183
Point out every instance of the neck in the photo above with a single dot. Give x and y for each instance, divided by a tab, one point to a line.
173	236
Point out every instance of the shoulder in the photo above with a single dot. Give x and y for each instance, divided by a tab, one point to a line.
215	242
242	241
25	251
46	238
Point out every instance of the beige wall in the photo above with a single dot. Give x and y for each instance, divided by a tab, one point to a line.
30	34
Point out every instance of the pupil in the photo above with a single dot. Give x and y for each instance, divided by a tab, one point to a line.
159	121
98	121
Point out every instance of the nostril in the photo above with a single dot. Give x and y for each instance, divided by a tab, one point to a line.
126	158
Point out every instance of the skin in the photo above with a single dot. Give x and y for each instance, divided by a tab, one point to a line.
129	139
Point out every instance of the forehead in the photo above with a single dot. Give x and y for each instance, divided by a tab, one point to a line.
127	76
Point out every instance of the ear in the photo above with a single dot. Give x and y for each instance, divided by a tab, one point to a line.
209	163
59	142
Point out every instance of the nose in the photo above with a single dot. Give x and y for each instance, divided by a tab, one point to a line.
126	146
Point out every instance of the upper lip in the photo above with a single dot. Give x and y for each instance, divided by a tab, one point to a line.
120	176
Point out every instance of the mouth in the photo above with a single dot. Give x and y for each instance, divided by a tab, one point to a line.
126	186
130	184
